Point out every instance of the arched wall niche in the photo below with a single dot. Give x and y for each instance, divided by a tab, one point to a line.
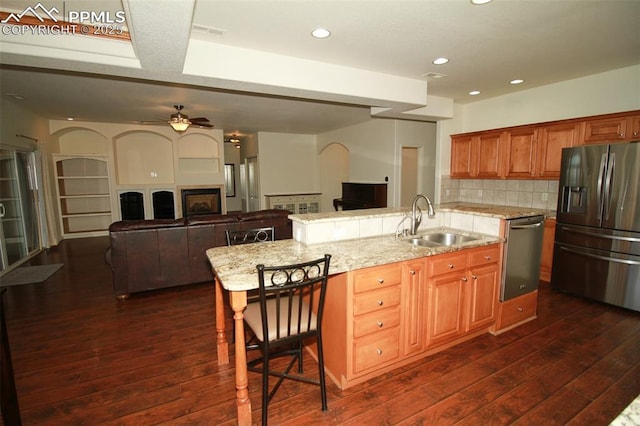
79	140
143	157
194	145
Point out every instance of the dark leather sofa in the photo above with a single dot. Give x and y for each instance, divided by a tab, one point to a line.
152	254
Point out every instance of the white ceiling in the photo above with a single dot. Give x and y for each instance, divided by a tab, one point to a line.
539	41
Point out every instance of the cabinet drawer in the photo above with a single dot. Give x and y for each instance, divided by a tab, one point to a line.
484	256
447	263
375	349
376	278
519	309
376	300
376	321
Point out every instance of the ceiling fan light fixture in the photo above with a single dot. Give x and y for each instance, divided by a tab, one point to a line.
179	124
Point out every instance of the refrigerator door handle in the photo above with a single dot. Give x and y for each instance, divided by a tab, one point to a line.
595	234
608	185
601	172
595	256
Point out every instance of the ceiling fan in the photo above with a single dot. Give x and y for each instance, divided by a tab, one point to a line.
181	122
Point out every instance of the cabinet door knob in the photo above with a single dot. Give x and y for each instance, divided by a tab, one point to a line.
381	280
464	279
487	258
412	272
380	324
451	266
475	277
379	351
380	303
520	309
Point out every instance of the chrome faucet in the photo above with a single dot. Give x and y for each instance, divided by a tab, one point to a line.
416	212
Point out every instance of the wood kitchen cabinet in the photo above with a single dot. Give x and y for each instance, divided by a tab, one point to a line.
414	306
477	155
534	151
615	128
521	152
379	318
552	139
548	240
463	293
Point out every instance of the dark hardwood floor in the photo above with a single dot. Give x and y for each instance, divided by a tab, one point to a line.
83	358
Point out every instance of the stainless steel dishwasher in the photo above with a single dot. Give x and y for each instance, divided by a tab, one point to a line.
521	260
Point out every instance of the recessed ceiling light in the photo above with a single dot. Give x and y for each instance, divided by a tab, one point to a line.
440	61
516	81
321	33
70	118
474	92
479	2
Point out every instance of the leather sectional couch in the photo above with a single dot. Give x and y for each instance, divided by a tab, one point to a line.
153	254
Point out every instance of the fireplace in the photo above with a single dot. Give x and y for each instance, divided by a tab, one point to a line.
201	201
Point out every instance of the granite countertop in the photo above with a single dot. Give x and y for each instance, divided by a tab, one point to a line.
490	210
502	212
235	266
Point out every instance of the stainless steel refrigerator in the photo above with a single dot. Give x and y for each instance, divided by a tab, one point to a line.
597	243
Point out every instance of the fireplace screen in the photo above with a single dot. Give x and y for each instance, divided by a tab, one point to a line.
201	201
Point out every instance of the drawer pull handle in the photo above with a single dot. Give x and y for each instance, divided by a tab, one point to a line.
379	351
381	280
412	272
487	258
380	303
520	309
451	266
380	324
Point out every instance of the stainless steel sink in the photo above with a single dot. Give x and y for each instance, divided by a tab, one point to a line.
447	238
437	239
419	241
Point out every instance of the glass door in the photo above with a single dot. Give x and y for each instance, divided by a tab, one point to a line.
18	209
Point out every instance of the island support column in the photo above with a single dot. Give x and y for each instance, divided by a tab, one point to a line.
222	345
238	304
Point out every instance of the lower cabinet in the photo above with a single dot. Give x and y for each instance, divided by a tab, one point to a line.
379	318
464	292
516	311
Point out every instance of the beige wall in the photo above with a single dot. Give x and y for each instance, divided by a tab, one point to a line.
288	164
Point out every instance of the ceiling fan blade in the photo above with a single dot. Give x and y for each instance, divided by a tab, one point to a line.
202	125
206	120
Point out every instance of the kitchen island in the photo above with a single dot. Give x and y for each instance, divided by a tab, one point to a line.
406	279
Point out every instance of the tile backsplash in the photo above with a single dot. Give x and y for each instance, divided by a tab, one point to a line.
539	194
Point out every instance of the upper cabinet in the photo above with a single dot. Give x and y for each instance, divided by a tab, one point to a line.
552	139
476	155
521	152
534	151
617	128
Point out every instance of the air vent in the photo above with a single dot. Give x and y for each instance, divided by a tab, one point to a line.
434	75
208	30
